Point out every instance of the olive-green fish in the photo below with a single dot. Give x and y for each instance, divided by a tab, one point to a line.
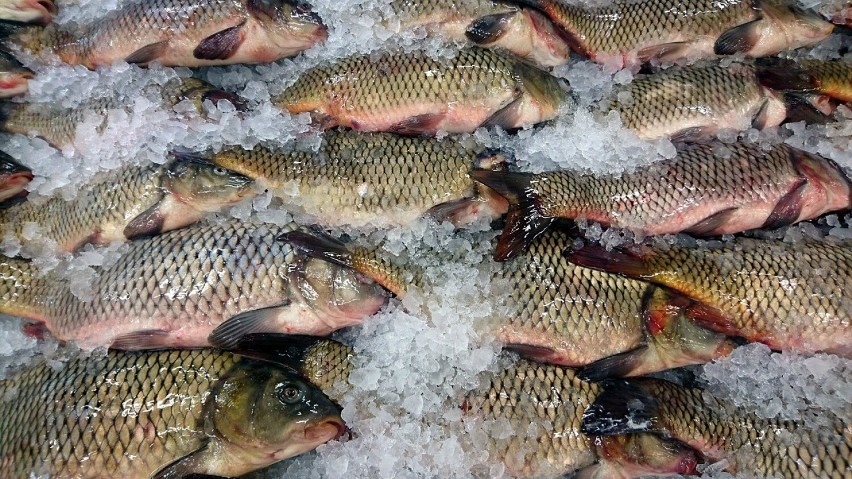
719	431
187	33
413	93
789	296
163	414
378	179
14	77
628	32
524	32
27	11
550	399
707	189
14	177
694	102
831	78
561	313
199	286
127	203
58	126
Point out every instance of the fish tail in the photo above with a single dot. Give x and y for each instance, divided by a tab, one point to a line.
624	407
525	220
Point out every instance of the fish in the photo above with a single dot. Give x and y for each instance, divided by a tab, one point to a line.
128	203
28	11
719	431
190	33
560	313
524	32
791	297
631	32
14	177
14	77
414	94
523	394
378	179
707	189
58	126
695	102
158	414
199	286
832	79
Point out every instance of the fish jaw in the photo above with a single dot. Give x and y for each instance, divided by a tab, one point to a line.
14	83
28	11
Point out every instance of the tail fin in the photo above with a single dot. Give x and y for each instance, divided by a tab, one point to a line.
624	407
524	221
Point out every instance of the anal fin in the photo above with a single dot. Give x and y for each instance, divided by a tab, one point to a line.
788	208
221	45
710	225
665	52
690	134
426	124
229	333
146	339
148	53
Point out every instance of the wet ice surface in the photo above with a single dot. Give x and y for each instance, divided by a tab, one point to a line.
416	356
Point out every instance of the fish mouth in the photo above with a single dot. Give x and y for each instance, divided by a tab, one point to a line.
13	84
37	11
326	430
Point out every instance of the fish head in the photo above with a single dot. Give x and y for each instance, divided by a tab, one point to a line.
634	455
14	77
203	185
263	413
789	26
28	11
196	91
339	295
291	24
14	177
543	95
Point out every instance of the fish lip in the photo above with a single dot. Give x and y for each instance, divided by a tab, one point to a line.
320	426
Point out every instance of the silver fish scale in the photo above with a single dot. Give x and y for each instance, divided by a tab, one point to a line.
122	415
587	314
769	447
687	97
57	126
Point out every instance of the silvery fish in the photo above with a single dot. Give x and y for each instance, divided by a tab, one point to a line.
202	285
627	32
750	444
163	414
374	178
707	189
188	33
127	203
415	94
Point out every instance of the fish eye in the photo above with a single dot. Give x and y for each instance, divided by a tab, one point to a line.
289	394
219	171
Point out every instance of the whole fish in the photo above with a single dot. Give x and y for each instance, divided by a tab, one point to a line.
27	11
14	77
750	444
158	414
694	102
629	32
788	296
58	126
14	177
561	313
832	78
413	94
198	286
127	203
188	33
528	396
524	32
379	179
706	189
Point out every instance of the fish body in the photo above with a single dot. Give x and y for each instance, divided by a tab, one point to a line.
379	179
188	33
193	287
412	93
169	413
707	189
524	32
14	177
542	404
27	11
788	296
131	202
14	77
694	102
58	126
750	444
630	32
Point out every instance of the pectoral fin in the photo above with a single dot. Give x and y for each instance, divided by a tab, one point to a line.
490	28
189	465
146	224
229	333
221	45
740	39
